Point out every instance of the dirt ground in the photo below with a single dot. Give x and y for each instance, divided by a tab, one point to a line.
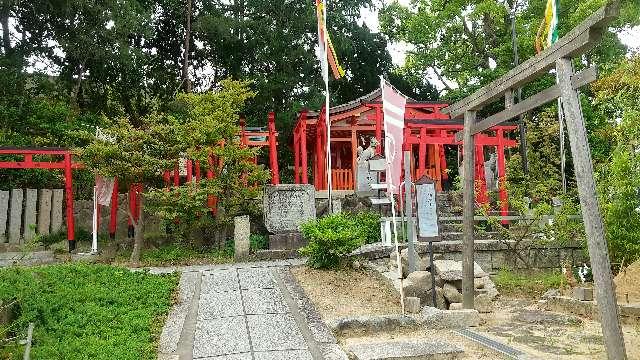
548	335
628	284
347	293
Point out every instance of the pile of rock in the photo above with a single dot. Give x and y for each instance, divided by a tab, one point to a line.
448	283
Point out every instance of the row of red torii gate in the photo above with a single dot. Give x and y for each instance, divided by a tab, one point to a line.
429	135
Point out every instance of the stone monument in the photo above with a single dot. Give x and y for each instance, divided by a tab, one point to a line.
286	207
364	176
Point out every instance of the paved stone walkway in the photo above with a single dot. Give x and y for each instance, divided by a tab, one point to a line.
252	311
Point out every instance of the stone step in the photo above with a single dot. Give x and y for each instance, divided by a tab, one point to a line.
414	349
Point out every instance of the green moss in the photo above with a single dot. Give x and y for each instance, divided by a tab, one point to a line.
529	284
83	311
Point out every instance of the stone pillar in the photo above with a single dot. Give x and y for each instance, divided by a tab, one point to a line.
336	205
56	210
15	216
44	211
241	232
4	214
30	214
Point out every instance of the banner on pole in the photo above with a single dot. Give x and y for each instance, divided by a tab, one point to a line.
393	106
325	50
104	190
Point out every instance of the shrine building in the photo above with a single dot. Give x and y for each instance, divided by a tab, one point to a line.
429	134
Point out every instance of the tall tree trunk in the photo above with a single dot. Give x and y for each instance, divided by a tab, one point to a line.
186	83
75	89
6	35
138	239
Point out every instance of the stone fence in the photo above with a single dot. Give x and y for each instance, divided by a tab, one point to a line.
492	254
27	212
23	213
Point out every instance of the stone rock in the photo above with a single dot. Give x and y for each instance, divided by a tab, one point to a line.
404	259
449	319
405	349
44	211
441	302
30	214
287	206
583	294
15	216
451	293
241	233
412	305
372	324
551	293
450	270
455	306
4	211
56	210
411	289
421	279
483	303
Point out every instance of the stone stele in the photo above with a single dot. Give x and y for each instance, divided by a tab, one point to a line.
287	206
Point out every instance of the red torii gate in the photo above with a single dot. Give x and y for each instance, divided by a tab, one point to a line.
67	165
248	138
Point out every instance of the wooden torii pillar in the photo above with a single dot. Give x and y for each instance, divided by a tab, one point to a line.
580	39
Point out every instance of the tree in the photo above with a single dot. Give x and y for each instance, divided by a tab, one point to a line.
617	97
468	43
196	128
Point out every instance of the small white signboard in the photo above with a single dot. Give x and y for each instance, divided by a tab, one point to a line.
427	215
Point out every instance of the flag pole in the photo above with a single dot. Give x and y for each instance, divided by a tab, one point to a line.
326	105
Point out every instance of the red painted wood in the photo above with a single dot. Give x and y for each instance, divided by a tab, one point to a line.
113	214
273	151
68	192
303	147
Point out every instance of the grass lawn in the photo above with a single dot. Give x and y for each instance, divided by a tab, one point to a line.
530	284
85	311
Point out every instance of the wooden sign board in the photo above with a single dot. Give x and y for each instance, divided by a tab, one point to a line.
427	211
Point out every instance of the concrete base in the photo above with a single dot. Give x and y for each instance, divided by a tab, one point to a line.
286	241
411	349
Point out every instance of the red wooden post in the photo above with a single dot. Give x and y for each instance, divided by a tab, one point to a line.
481	181
443	163
502	176
68	188
378	129
422	152
273	149
296	156
303	148
189	170
354	158
212	202
198	170
113	215
176	175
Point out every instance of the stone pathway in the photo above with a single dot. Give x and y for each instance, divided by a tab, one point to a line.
252	311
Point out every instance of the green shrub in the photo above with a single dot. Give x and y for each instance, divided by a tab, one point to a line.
334	236
184	254
258	242
83	311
